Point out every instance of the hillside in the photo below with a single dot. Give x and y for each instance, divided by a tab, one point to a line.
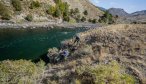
124	43
20	9
110	54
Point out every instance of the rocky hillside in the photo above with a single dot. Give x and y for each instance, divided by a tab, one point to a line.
118	11
20	9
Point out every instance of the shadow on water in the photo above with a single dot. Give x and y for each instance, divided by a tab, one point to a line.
43	58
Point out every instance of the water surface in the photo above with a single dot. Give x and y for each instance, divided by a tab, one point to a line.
31	43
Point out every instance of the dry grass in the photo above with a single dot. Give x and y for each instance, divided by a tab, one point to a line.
124	43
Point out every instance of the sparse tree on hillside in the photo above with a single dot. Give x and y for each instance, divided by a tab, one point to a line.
106	18
85	12
57	12
17	5
51	10
4	12
83	19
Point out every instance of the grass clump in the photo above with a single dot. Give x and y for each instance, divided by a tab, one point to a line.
17	5
20	72
111	73
4	12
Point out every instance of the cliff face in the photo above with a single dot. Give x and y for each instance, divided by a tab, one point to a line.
40	12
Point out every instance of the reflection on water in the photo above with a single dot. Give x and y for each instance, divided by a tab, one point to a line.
31	43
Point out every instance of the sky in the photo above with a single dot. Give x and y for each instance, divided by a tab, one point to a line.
128	5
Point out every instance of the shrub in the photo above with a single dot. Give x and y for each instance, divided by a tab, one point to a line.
20	72
111	73
51	10
94	21
83	19
66	18
76	10
84	50
85	12
17	5
4	12
29	17
57	1
35	4
57	12
89	20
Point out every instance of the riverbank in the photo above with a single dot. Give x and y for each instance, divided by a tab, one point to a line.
48	25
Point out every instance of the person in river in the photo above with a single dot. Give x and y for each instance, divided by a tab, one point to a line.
77	39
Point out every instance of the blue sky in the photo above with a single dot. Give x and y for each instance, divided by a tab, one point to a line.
128	5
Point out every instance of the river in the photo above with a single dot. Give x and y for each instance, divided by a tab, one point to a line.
30	43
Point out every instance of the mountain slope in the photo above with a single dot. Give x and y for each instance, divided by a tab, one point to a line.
118	11
40	14
143	12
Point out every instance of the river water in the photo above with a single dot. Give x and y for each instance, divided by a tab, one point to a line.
29	44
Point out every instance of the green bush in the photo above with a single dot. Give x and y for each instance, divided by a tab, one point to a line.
35	4
57	12
29	17
94	21
4	12
66	18
85	12
17	5
76	10
111	73
20	72
51	10
83	19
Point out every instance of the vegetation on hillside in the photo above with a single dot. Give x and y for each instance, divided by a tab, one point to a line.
111	73
20	72
17	5
5	13
106	18
34	4
29	17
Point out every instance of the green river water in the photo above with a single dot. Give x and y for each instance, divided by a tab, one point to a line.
29	44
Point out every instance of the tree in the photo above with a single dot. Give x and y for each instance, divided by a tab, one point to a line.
85	12
4	12
83	19
35	4
51	10
57	12
94	21
106	18
17	5
76	11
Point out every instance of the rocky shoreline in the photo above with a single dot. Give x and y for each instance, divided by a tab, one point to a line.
49	25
